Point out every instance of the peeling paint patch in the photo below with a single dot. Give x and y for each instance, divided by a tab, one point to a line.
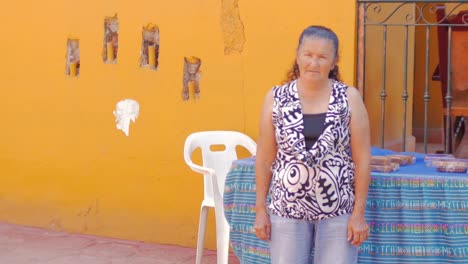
111	39
125	111
73	57
55	224
191	79
232	26
92	212
150	47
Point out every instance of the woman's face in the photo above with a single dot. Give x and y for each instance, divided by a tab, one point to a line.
316	57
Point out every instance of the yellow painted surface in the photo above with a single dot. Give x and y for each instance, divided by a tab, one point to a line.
63	163
395	78
73	67
110	51
152	55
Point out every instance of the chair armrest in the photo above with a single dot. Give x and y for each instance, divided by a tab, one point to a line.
200	169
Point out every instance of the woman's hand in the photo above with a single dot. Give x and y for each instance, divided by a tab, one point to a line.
262	224
358	230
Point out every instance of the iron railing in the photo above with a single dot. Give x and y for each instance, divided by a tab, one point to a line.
386	14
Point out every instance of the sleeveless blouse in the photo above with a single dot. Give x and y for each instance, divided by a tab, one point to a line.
315	183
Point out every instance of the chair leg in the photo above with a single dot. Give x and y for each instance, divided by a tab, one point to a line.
222	239
201	233
223	249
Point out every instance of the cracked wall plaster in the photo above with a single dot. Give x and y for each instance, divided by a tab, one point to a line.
232	26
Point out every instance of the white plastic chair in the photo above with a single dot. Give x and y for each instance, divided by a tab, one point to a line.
216	165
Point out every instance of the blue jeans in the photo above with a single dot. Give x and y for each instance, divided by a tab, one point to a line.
293	241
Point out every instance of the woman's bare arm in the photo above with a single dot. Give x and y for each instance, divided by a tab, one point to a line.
358	229
266	152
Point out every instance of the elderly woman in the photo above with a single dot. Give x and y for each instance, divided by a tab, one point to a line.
313	158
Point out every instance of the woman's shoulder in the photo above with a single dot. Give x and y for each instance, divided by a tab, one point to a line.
350	90
340	85
352	94
283	89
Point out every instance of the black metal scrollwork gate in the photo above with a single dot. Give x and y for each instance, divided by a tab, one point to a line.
419	28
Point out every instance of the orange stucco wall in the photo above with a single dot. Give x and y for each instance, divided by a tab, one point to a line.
65	166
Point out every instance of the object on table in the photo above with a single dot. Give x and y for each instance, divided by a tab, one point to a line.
453	165
380	160
430	158
402	159
382	168
395	166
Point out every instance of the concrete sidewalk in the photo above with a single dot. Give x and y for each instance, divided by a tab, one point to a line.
28	245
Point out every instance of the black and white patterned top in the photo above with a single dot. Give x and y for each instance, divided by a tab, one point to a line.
315	183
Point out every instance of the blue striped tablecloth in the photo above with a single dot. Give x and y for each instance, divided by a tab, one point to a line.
416	215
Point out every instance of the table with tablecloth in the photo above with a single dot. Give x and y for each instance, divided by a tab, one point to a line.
415	214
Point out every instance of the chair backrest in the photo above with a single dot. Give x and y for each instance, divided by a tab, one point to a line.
219	161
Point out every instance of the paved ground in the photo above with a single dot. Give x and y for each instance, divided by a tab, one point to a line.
27	245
